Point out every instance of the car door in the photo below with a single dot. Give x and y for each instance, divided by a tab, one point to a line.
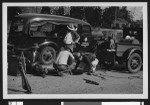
86	39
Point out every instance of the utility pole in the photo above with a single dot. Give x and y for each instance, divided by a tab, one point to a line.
115	15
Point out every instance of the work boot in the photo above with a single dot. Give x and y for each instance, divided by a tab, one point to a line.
89	73
44	75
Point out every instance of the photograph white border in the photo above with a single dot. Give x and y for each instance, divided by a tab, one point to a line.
75	96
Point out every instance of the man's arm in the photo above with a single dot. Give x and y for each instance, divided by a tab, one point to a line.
58	56
77	64
71	55
77	36
71	58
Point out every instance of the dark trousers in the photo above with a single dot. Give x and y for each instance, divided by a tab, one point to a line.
62	68
85	60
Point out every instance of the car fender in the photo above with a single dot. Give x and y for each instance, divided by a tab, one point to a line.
130	51
46	43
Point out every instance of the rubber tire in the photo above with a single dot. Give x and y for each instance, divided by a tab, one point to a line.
129	61
53	52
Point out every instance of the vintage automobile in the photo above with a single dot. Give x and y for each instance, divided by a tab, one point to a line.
124	52
42	34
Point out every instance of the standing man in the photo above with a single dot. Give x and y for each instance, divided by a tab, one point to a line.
71	37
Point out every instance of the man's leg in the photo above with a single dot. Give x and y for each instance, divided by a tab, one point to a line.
87	61
94	64
62	69
77	64
71	67
55	66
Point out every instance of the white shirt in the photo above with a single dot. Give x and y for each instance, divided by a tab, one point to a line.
94	64
68	38
63	56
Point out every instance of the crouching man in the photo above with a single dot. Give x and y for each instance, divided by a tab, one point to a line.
64	62
90	60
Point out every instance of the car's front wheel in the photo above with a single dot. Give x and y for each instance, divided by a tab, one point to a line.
47	55
134	63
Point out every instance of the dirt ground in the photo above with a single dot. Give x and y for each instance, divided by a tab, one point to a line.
104	81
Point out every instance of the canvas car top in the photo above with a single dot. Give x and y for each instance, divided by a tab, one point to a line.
55	18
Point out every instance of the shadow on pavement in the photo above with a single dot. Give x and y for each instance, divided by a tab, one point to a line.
91	82
16	90
116	68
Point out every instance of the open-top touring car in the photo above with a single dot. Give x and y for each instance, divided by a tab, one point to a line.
124	51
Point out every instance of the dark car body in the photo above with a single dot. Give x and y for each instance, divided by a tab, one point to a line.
43	30
124	52
136	32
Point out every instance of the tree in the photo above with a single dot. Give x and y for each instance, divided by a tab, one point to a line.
97	16
77	12
45	10
109	16
60	11
12	12
93	15
124	14
112	13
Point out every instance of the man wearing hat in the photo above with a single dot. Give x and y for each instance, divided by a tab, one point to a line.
61	63
71	37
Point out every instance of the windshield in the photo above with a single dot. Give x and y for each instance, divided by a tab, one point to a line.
86	29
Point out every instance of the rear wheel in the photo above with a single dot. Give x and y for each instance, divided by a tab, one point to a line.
134	63
47	55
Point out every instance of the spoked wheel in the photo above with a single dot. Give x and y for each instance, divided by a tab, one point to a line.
47	55
134	63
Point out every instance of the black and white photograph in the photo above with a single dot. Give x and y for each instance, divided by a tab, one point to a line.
75	50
